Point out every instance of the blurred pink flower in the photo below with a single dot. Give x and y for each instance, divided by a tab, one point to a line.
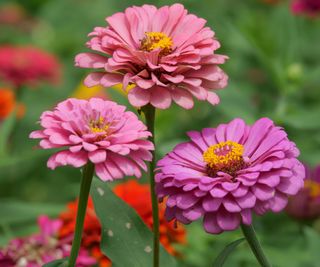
6	260
27	66
224	174
306	204
308	7
41	248
96	130
166	53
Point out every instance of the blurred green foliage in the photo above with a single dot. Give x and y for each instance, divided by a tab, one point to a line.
274	71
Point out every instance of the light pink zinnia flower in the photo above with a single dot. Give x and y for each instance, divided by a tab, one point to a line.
226	173
96	130
166	53
41	248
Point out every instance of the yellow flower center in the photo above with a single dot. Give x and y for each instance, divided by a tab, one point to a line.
157	40
314	188
225	156
99	126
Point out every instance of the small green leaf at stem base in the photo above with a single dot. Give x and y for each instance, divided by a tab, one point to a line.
222	257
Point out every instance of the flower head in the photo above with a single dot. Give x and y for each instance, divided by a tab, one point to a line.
308	7
27	66
7	102
41	248
166	53
306	204
224	174
96	130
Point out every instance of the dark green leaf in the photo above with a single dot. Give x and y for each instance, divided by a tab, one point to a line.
222	257
126	240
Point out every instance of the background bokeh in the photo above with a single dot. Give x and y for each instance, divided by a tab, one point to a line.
274	71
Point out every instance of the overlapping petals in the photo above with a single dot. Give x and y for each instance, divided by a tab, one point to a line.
269	174
182	67
96	130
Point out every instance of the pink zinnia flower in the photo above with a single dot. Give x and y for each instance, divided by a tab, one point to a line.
41	248
166	53
27	66
96	130
306	204
308	7
226	173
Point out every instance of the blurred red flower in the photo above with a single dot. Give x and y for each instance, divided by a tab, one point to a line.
138	197
27	66
308	7
306	204
7	102
91	232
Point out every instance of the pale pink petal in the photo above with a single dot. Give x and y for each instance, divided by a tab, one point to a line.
183	98
138	97
93	79
160	97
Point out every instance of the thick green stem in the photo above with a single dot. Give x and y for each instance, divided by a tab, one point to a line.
87	176
150	112
250	235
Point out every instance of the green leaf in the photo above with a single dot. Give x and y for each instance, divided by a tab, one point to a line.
5	130
222	257
57	263
126	240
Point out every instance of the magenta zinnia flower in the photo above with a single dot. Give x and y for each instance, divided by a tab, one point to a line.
96	130
166	53
41	248
226	173
306	204
27	66
308	7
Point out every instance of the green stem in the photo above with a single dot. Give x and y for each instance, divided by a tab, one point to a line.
250	235
86	180
149	112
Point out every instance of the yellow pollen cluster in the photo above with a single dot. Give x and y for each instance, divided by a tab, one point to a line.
314	188
99	126
224	154
155	40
